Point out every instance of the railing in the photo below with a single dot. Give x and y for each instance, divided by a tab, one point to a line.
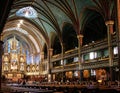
97	62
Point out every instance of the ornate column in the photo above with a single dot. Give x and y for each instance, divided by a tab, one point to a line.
50	53
1	52
41	56
109	25
40	62
80	41
62	59
118	33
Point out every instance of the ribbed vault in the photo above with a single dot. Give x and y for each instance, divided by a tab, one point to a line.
85	17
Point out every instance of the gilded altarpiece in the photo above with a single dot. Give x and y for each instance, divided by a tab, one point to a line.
14	60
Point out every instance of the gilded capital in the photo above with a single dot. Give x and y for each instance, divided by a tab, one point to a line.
80	36
1	37
51	51
41	53
110	22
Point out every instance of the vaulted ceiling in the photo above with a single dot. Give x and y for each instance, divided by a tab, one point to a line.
53	23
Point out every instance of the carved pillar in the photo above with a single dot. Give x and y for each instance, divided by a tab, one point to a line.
118	33
42	56
62	60
1	52
62	52
50	53
41	62
80	41
109	25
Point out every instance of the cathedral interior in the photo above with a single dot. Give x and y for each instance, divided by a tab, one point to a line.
60	40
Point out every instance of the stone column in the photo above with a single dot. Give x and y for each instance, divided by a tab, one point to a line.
118	33
80	41
41	62
109	25
42	56
62	60
1	52
50	53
